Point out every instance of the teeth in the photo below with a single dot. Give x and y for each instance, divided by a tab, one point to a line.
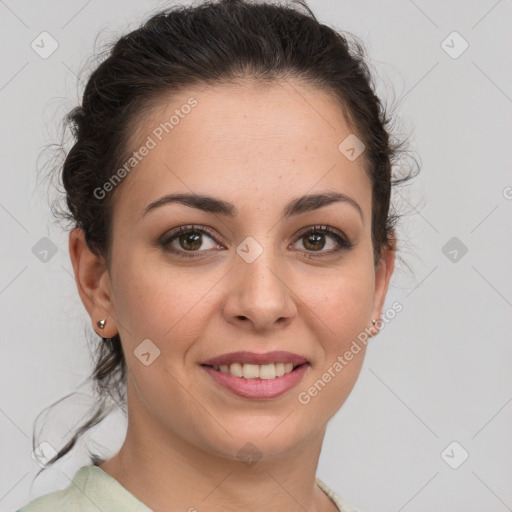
256	371
279	369
268	371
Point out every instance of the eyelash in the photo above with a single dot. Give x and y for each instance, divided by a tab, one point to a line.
343	243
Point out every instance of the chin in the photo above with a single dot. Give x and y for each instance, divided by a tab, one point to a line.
269	439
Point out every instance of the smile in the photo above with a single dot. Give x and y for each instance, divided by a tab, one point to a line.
256	371
257	381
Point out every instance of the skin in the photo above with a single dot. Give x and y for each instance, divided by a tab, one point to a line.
257	147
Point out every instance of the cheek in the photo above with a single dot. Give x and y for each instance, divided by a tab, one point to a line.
341	317
343	302
152	301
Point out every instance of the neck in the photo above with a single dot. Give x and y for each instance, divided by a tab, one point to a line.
164	470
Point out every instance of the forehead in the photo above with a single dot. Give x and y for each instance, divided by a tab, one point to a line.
279	137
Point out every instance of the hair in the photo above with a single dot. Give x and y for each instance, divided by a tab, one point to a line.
211	43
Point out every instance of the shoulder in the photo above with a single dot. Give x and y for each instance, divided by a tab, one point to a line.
91	490
65	499
342	505
54	501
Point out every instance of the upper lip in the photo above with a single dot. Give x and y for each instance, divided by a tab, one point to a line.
256	358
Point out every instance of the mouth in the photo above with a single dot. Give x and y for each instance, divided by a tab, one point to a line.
256	382
268	371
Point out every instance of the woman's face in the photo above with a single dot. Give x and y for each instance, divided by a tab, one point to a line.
255	281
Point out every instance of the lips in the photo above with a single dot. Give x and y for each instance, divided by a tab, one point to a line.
256	358
257	389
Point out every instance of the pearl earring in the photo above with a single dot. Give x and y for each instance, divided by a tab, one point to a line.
101	323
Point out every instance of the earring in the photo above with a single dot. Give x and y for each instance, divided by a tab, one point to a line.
101	323
374	322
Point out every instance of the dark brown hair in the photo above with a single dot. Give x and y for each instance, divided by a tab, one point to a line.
213	42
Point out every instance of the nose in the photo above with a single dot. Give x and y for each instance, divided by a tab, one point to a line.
260	298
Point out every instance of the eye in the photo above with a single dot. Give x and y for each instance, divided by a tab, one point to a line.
313	240
188	239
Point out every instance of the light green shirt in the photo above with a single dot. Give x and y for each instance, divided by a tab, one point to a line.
94	490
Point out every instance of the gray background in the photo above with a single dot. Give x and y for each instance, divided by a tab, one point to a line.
438	373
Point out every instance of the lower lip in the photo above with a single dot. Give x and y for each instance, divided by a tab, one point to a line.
258	388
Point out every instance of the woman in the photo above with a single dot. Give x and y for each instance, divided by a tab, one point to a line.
230	189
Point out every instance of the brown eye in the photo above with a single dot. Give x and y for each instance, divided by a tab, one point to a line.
188	239
314	240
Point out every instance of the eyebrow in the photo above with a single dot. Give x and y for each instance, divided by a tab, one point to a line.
296	206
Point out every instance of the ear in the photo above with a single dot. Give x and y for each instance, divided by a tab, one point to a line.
93	283
383	273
